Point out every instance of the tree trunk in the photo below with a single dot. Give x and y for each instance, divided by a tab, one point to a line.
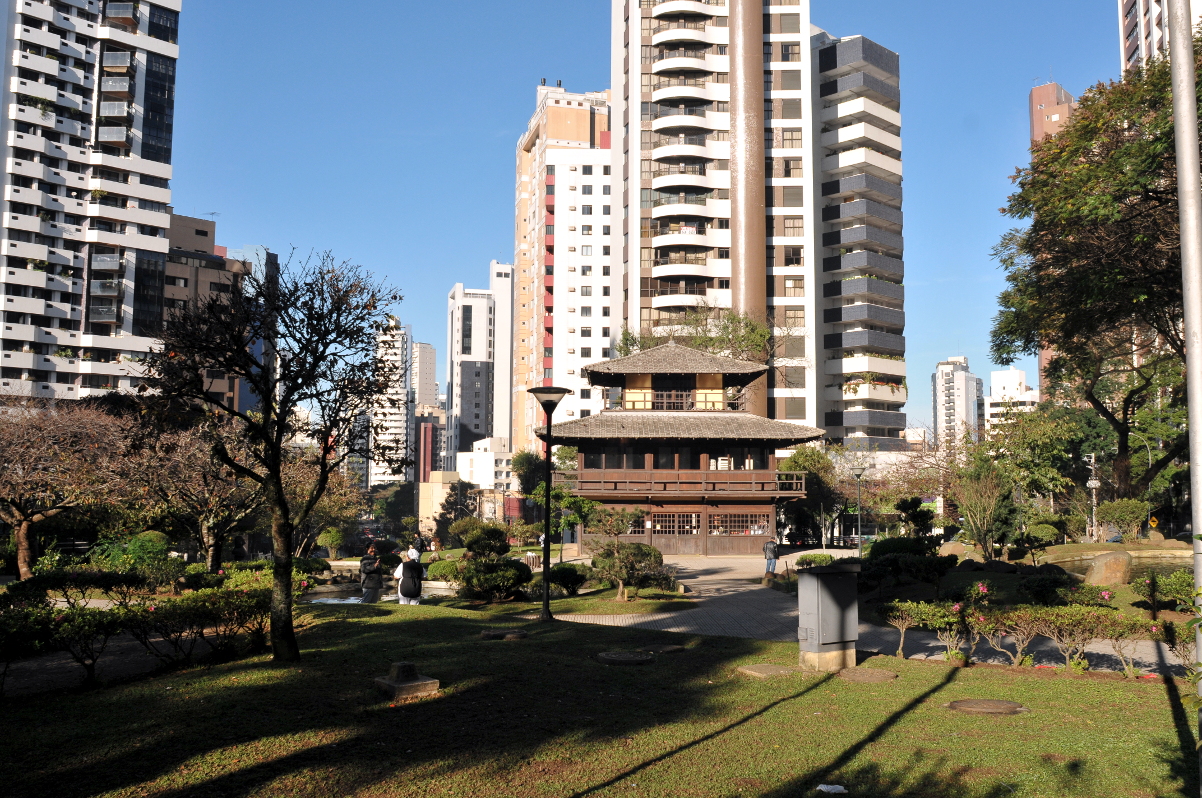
284	647
213	546
25	551
621	591
1122	472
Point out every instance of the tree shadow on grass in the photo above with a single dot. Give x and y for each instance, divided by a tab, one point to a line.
257	725
1182	759
921	778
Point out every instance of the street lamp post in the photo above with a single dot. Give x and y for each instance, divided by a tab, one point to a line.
858	471
549	398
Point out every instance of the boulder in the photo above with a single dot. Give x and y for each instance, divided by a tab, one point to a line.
1111	568
953	547
968	565
1051	569
1155	537
1000	567
1028	570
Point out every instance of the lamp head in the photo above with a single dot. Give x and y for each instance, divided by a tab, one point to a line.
858	471
549	397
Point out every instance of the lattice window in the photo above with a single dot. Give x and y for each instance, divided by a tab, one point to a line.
739	524
676	523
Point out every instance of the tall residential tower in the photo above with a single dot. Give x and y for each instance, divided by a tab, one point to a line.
760	167
1144	30
88	126
957	401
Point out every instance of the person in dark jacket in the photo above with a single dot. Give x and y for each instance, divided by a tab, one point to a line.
371	576
410	586
771	551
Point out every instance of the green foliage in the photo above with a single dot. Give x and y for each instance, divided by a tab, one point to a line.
488	540
1036	538
84	633
613	522
635	565
25	631
332	539
812	560
529	468
1042	588
1085	595
444	571
826	496
565	458
72	587
917	546
902	615
1128	515
1072	628
251	580
493	580
1177	588
570	576
915	518
456	506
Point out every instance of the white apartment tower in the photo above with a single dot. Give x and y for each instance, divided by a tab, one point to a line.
567	296
479	369
425	365
760	170
393	418
1144	31
1009	393
88	126
958	401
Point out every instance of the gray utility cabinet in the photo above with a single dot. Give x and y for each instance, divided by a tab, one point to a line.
828	615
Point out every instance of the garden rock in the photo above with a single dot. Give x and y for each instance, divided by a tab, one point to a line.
504	634
1028	570
1000	567
1051	569
968	565
768	671
1155	537
986	706
625	658
404	682
953	547
1111	568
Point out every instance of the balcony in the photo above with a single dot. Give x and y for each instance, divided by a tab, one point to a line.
679	25
123	13
864	187
858	54
866	418
679	169
861	210
107	262
682	259
888	343
682	400
107	315
863	288
115	110
612	483
870	262
106	288
113	136
120	87
864	235
861	84
115	61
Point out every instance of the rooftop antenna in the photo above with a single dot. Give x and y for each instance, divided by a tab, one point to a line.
213	214
544	83
559	84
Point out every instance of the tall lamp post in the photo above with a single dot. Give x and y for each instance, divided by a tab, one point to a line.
858	471
549	398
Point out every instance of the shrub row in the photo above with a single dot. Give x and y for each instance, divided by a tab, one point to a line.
1070	628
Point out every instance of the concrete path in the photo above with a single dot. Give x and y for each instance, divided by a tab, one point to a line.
732	603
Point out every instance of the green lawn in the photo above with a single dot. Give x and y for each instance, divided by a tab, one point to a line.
598	603
539	717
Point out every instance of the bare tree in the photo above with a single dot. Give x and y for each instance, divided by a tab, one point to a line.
54	459
307	341
179	473
978	492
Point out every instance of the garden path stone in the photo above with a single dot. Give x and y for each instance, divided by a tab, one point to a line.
987	706
625	658
504	634
769	671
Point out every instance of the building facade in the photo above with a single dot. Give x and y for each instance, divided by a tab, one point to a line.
430	422
761	171
1009	393
472	337
1050	106
957	402
488	466
424	360
500	285
88	128
392	418
567	308
1144	31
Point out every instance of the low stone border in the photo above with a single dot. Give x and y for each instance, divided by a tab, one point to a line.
986	706
625	658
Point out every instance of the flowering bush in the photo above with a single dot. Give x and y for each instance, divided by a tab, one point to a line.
1085	595
1176	588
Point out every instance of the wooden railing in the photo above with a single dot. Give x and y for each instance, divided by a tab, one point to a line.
605	480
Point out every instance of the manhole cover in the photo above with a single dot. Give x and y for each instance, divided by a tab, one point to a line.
662	648
504	634
625	657
866	675
987	706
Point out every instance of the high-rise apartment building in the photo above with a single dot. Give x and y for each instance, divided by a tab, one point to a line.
567	307
88	126
1144	31
1009	393
393	416
479	343
1051	107
430	440
957	401
424	361
761	171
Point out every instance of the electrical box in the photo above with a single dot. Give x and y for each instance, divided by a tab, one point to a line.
828	615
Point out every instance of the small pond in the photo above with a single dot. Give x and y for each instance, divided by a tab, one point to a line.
1141	567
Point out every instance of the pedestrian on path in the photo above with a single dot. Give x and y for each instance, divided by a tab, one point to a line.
410	588
371	577
771	552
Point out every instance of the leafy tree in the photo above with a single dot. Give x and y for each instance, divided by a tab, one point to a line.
827	494
488	540
306	341
565	458
613	522
55	459
979	490
915	518
529	468
629	564
1030	448
332	540
1037	538
1128	515
1096	276
567	509
341	505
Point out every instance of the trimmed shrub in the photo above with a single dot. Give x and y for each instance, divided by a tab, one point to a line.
73	586
1177	587
1042	589
1071	629
444	571
569	577
197	577
488	540
262	580
635	565
917	546
84	633
902	615
1085	595
24	632
169	630
493	580
310	565
811	560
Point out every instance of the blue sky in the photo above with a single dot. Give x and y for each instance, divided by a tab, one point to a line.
385	131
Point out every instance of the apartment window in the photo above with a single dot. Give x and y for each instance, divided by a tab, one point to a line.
792	346
793	196
585	413
605	230
586	229
605	290
548	351
219	288
791	377
605	269
587	170
790	80
605	353
547	374
585	351
157	182
179	282
586	312
586	190
605	334
723	253
795	286
791	109
604	170
605	311
550	190
466	330
550	170
794	167
723	284
791	137
795	409
175	304
790	52
586	271
794	226
586	332
790	317
586	393
793	256
586	210
605	210
586	290
605	190
586	250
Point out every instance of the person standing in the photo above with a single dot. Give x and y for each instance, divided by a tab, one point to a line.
409	589
771	553
371	577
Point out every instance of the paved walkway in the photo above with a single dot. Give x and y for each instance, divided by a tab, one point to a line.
732	603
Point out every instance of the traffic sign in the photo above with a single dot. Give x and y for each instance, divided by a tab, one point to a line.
1153	522
1093	484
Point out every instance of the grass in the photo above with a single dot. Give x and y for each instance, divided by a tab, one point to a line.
598	603
540	717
